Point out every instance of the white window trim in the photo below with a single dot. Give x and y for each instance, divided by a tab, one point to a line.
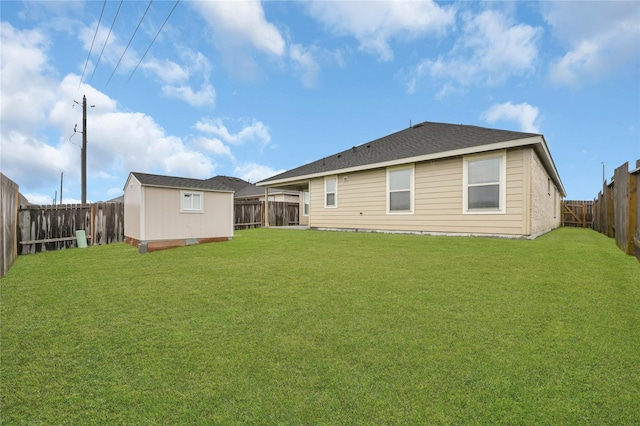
183	210
411	190
306	202
502	201
334	206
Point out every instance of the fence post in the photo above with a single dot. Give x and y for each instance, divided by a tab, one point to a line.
636	239
611	227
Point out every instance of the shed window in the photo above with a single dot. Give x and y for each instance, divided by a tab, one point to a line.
331	191
191	201
400	190
484	178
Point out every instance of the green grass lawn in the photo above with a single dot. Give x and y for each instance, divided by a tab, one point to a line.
309	327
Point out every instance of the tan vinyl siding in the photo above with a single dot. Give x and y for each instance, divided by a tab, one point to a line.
164	221
438	192
132	196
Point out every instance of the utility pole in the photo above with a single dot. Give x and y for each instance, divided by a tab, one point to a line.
61	174
84	151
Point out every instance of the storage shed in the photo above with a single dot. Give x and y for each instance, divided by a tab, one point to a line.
165	211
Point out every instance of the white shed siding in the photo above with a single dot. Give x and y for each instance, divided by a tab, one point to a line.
164	221
132	197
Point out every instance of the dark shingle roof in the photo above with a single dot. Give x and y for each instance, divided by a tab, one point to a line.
419	140
180	182
234	183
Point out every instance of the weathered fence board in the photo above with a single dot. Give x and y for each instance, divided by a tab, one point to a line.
636	238
616	209
251	214
283	213
248	215
577	213
53	227
9	193
623	191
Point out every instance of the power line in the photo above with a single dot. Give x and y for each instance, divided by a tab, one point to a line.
106	41
90	50
154	39
130	40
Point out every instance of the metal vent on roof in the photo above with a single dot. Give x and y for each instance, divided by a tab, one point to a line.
418	125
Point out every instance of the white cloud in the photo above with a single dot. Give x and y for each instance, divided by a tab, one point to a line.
305	64
254	172
236	25
203	97
523	114
26	83
242	21
168	71
491	49
376	24
256	131
214	146
177	79
602	36
38	116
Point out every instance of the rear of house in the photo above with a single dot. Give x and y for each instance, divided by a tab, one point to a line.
434	178
165	211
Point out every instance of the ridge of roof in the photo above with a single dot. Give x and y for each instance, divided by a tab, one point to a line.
418	140
149	179
232	182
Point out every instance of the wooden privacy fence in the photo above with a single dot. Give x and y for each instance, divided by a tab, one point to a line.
577	213
54	227
9	195
250	214
615	211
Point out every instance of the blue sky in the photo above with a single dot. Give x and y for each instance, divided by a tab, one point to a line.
251	89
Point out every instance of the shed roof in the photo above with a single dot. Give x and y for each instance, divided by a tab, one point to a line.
147	179
419	142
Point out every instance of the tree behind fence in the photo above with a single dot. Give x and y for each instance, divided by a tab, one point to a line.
53	227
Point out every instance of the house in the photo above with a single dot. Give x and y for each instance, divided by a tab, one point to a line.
433	178
249	192
165	211
250	208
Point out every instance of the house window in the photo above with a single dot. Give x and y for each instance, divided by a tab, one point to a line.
331	191
191	201
484	181
305	201
400	190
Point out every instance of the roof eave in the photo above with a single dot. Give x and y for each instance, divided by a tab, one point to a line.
189	188
534	140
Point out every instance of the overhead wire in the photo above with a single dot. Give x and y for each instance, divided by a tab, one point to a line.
154	39
130	40
107	40
92	42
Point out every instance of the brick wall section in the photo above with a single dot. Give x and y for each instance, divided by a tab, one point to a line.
545	200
